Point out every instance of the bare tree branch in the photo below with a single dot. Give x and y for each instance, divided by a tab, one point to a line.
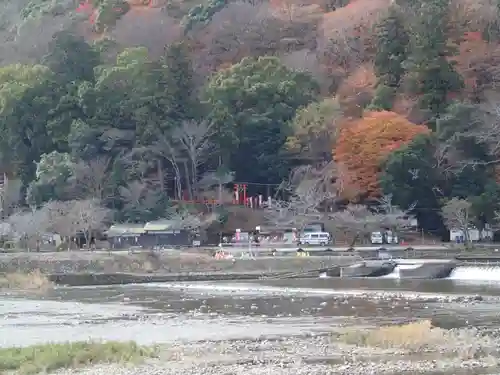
392	216
345	40
457	214
306	61
61	220
166	148
88	216
139	197
29	227
146	27
93	178
240	29
310	190
357	221
195	140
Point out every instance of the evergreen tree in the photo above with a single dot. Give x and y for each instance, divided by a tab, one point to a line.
179	81
491	32
429	61
382	99
392	47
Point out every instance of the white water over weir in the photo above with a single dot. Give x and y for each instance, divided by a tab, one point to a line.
395	274
461	273
476	273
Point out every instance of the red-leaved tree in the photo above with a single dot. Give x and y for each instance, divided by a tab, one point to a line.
364	144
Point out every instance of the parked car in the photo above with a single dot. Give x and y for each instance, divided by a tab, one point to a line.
387	237
377	238
315	238
391	237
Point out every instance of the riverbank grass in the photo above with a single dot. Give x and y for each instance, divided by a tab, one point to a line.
413	336
50	357
34	281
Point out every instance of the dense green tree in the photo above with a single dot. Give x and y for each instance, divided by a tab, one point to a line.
430	57
37	8
313	131
392	47
465	157
27	96
122	104
492	31
179	83
108	13
486	205
73	61
51	179
411	177
141	203
71	58
252	103
202	14
382	98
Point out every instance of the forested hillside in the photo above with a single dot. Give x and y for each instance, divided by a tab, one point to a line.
135	103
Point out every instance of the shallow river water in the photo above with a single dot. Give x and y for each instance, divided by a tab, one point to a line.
171	312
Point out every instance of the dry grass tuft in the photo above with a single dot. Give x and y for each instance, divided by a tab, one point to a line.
421	336
34	281
415	335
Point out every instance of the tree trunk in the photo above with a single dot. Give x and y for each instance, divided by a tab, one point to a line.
353	242
178	181
188	180
466	237
159	173
194	178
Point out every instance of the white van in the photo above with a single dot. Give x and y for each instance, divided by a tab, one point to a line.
391	237
314	238
377	238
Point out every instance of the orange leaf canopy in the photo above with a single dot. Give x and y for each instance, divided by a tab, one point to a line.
365	143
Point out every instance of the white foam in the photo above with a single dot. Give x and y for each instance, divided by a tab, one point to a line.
258	289
476	273
396	275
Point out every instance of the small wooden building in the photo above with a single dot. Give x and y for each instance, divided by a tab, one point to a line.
122	236
165	233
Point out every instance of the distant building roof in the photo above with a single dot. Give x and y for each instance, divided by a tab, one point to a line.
160	226
122	230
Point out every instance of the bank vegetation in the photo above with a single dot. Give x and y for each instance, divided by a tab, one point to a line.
50	357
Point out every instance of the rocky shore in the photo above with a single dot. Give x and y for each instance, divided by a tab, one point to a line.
415	348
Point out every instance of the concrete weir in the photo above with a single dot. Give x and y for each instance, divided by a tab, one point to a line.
428	271
82	279
366	269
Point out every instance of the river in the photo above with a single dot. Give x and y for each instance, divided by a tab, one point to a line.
171	312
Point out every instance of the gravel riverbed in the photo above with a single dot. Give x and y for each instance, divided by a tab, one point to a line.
349	350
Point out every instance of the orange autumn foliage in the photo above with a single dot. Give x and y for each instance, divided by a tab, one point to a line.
363	145
356	91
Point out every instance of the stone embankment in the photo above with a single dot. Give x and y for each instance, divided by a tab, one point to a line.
91	268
